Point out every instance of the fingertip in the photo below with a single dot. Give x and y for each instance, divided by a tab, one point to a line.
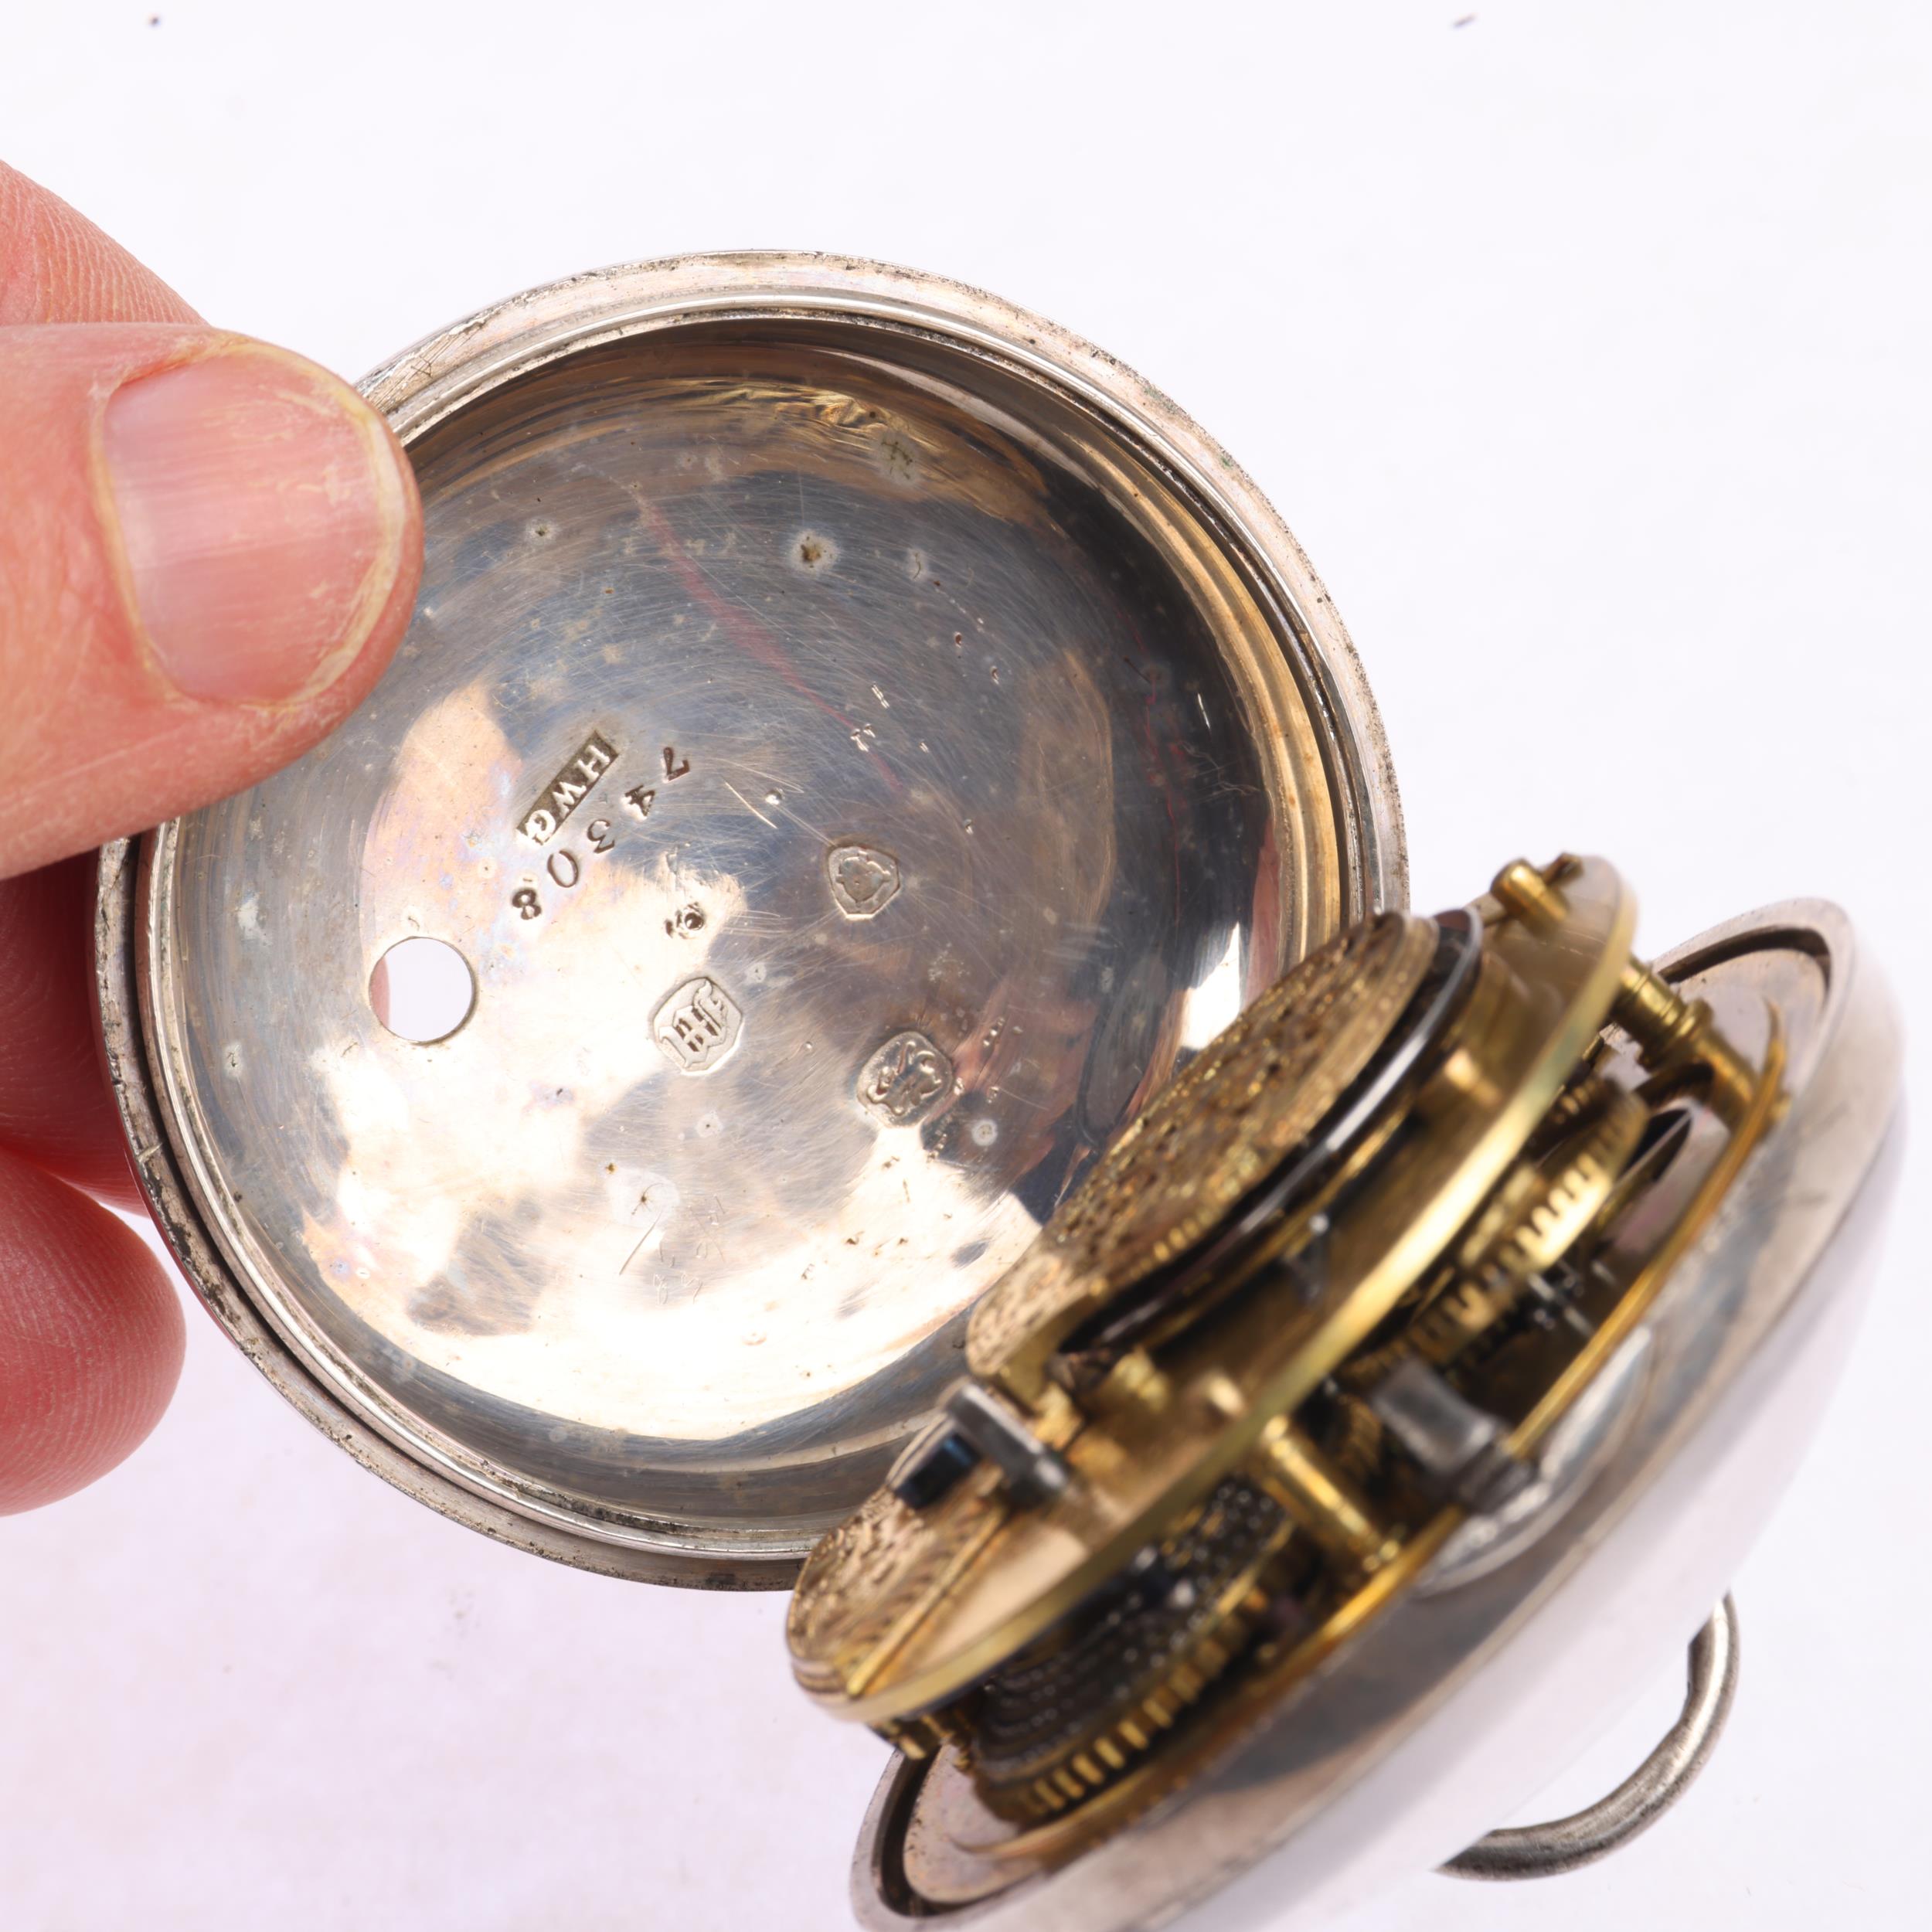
91	1339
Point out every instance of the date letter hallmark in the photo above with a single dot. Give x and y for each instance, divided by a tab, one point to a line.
905	1081
697	1024
568	789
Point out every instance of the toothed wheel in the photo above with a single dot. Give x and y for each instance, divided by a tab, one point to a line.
1539	1214
1053	1728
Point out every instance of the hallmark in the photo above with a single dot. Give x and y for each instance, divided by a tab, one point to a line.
697	1024
863	880
906	1079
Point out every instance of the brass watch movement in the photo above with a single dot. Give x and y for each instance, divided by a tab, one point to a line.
1319	1307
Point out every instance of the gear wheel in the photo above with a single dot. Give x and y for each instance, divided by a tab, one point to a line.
1533	1220
1541	1210
1067	1719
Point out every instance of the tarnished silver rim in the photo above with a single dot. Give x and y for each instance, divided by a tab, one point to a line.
426	384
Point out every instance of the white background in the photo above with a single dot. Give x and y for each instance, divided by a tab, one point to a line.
1585	347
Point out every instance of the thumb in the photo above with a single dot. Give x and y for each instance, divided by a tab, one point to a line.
208	550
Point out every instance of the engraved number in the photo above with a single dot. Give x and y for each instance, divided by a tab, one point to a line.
563	865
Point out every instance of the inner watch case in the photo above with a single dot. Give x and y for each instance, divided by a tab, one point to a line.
849	992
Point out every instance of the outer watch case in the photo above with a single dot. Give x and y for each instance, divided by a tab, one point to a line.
855	743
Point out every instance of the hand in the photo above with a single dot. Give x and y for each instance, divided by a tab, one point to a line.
208	550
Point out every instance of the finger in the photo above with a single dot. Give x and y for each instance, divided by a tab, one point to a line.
56	266
208	550
90	1339
55	1105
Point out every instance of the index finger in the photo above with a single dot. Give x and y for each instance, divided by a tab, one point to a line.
56	266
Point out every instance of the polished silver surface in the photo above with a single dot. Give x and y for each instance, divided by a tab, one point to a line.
1448	1710
854	742
1562	1845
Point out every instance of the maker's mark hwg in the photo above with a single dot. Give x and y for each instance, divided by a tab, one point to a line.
568	789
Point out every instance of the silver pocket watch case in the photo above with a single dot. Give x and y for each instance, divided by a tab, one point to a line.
855	743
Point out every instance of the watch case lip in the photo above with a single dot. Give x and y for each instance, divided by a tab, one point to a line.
1464	1697
425	386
